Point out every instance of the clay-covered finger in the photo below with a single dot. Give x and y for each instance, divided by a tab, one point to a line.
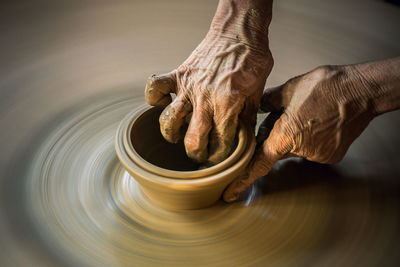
222	137
158	89
196	138
172	119
262	163
272	150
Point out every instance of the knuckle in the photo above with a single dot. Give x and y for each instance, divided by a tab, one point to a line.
192	143
166	116
325	72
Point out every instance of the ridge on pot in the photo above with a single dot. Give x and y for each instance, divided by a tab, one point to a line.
164	172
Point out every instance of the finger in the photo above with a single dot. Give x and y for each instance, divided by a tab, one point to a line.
224	130
158	89
196	138
172	119
262	162
249	112
278	98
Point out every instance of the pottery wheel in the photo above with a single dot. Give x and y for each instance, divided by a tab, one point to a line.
70	72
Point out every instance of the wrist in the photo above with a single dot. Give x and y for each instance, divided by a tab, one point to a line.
382	82
243	21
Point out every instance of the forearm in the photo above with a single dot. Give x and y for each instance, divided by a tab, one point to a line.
246	21
382	79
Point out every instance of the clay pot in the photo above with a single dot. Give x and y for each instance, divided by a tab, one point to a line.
164	172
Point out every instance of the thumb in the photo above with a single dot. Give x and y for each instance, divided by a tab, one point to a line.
262	162
158	89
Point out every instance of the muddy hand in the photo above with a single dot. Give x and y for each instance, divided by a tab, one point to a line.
324	111
220	83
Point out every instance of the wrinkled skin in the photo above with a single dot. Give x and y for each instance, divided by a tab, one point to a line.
222	80
324	111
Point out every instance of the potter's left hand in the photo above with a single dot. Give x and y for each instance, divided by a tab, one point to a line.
222	80
324	111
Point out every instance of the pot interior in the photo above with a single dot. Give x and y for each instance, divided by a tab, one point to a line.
148	142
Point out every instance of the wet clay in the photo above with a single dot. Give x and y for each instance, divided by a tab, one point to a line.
166	175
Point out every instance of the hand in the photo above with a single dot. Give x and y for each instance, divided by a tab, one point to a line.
324	111
222	80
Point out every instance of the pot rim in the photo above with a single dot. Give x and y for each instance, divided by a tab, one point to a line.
130	158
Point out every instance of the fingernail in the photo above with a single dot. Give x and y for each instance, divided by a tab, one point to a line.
231	197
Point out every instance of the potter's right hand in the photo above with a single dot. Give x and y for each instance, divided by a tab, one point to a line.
324	111
222	80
